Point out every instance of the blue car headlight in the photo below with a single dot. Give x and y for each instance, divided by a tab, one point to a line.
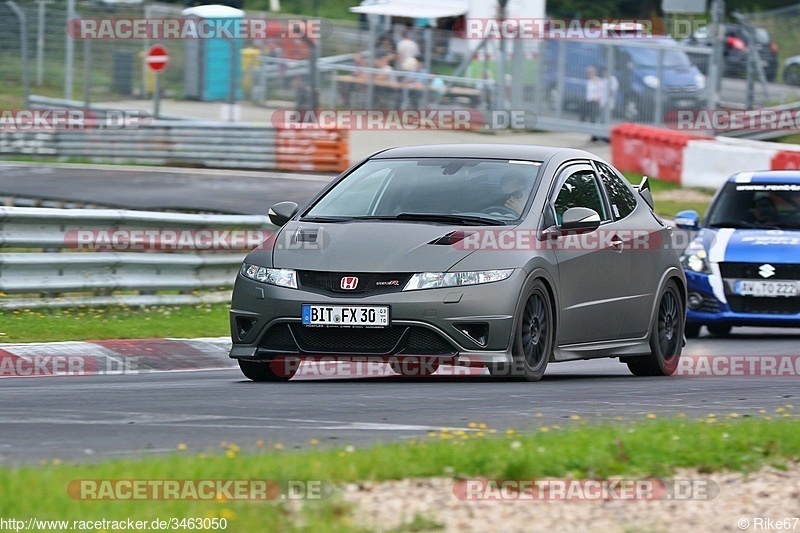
282	277
435	280
695	258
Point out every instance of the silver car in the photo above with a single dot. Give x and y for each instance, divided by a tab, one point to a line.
503	256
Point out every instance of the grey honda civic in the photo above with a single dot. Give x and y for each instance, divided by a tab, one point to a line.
507	257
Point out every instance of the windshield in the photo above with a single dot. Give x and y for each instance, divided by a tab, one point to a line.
757	205
488	189
648	57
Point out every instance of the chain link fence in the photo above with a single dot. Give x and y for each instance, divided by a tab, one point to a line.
783	27
578	84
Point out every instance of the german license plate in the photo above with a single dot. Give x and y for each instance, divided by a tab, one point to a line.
770	289
345	315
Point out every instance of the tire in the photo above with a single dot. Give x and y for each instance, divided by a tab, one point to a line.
534	336
718	330
413	367
279	369
692	331
666	336
791	74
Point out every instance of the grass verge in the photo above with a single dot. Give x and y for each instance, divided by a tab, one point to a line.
115	322
650	447
671	198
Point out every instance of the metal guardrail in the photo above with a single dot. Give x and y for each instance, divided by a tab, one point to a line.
185	142
36	101
197	143
50	268
208	144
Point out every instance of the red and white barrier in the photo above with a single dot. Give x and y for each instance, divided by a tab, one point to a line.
694	160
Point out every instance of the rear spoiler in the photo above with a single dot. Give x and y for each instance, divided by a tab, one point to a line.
644	192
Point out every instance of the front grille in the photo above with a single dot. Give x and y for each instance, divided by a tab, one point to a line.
279	337
423	341
407	340
769	306
750	271
329	283
347	340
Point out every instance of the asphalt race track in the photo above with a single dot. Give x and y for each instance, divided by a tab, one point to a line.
150	188
86	418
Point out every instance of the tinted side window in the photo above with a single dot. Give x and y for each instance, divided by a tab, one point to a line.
580	190
623	202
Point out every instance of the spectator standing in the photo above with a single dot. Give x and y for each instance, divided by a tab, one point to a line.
594	93
406	49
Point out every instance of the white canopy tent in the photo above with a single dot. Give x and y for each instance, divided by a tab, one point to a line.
414	8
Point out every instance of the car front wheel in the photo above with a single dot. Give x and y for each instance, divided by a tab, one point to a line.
666	336
534	336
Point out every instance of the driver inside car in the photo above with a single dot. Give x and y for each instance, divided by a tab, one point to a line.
764	210
514	185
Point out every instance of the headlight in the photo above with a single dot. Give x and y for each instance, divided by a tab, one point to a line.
434	280
695	258
282	277
651	81
700	80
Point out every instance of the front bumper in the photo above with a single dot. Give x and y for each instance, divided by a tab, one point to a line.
432	316
714	311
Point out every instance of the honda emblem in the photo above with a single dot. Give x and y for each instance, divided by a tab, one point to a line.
349	283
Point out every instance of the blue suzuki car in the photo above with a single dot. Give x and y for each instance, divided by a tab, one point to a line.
743	266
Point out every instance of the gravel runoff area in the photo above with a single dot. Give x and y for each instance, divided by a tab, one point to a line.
745	502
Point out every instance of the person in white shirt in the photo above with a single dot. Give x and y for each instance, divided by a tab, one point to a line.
594	93
406	49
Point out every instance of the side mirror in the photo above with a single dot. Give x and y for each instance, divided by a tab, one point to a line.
688	220
644	192
280	213
581	219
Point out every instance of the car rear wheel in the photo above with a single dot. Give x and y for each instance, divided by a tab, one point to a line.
279	369
413	367
534	337
666	336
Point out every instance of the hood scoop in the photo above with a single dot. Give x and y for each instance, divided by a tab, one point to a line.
452	238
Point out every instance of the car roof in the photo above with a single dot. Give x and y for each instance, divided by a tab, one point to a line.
524	152
767	176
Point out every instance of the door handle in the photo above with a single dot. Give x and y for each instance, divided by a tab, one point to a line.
617	244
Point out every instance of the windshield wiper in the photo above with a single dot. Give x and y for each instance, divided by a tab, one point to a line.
474	220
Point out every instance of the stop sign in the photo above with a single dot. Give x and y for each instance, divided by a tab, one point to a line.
157	58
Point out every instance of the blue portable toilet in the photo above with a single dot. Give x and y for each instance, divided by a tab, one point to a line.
207	61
